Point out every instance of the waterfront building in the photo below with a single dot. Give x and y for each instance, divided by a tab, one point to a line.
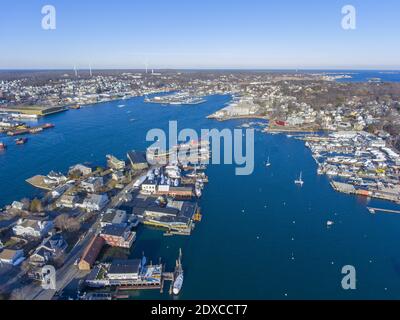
114	163
55	178
157	212
125	269
138	160
118	236
114	217
81	169
176	192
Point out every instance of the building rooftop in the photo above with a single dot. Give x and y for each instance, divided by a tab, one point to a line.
136	157
114	230
125	266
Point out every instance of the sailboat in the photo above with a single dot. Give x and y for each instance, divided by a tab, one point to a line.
268	164
299	181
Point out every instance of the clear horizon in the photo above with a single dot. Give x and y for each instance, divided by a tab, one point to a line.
251	35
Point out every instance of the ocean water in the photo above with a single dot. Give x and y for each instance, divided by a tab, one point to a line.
366	75
261	237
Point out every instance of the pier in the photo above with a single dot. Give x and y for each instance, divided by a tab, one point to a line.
38	182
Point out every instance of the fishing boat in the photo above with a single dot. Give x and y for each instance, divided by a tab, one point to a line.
299	181
21	141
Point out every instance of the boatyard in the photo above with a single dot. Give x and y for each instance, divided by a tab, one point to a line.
357	163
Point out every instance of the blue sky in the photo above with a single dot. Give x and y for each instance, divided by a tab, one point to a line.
200	34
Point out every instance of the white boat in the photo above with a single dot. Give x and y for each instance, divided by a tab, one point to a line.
178	283
330	223
198	192
300	181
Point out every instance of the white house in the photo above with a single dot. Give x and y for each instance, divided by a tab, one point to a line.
95	202
36	228
55	178
93	184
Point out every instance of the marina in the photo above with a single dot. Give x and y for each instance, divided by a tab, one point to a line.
357	163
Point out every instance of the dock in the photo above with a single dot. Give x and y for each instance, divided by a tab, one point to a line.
375	210
38	182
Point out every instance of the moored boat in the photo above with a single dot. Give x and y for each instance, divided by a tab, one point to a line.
2	146
299	181
178	282
177	286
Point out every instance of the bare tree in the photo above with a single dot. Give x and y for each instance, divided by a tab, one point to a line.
66	223
36	206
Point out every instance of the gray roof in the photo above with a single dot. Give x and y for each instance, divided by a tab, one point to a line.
166	210
114	230
188	209
137	157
